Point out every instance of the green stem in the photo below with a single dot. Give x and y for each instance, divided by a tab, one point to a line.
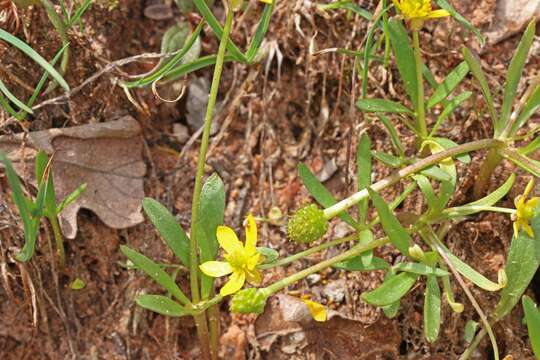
492	160
352	200
308	252
420	107
354	251
59	242
200	320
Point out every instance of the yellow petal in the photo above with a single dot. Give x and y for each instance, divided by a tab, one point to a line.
228	239
251	235
235	283
528	229
266	1
528	188
254	277
533	202
516	229
398	5
216	268
438	14
317	311
253	261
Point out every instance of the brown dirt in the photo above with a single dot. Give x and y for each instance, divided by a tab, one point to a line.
275	123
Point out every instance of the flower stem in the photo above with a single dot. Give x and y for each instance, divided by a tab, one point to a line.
310	251
59	242
200	320
420	106
407	171
354	251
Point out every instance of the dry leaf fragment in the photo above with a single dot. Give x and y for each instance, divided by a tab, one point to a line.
106	156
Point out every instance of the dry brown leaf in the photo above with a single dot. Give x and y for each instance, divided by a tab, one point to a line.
106	156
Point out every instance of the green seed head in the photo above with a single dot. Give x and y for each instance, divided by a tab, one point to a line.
249	301
307	225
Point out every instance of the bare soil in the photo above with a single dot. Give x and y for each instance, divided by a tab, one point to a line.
300	110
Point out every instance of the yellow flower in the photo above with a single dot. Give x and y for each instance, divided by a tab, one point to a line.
418	10
267	1
525	211
317	311
241	260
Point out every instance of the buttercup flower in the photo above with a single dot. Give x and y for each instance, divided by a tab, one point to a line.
418	10
241	260
317	311
525	211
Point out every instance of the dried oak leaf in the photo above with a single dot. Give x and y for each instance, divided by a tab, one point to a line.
105	156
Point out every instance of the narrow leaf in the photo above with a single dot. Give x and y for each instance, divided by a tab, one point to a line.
363	173
161	305
320	193
444	4
419	269
391	290
532	317
476	70
449	109
515	70
382	105
14	99
530	108
19	44
357	264
451	81
155	272
405	60
432	309
168	227
397	234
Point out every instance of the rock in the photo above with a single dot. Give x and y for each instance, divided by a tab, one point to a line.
313	279
180	132
335	291
511	16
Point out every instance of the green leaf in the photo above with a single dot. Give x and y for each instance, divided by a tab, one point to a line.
155	272
476	70
432	309
187	55
216	27
4	35
364	238
532	317
173	234
363	173
436	173
211	215
30	225
496	195
391	290
382	105
404	57
394	137
451	81
530	108
13	98
320	193
77	284
432	200
521	265
391	311
387	159
71	198
397	234
515	70
161	305
357	264
269	255
530	147
347	4
260	33
444	4
449	109
419	269
195	65
470	330
448	144
467	271
524	162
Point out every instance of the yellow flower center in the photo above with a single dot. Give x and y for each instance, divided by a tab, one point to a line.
238	260
416	8
526	211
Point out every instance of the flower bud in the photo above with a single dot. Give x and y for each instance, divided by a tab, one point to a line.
502	278
249	301
417	253
307	225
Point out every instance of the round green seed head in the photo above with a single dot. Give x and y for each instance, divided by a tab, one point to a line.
249	301
307	225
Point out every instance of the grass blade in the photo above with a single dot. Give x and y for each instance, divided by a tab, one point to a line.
25	48
262	28
13	98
